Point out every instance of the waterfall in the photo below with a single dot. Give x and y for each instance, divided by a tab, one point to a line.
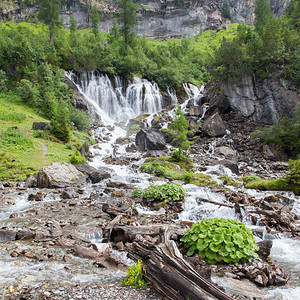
193	92
119	102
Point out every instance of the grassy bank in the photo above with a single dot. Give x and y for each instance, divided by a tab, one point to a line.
21	153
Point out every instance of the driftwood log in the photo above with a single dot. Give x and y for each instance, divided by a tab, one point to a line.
171	275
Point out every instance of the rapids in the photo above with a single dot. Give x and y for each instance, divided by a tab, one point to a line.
115	103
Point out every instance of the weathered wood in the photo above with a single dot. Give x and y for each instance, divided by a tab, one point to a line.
214	202
170	274
116	211
107	230
127	233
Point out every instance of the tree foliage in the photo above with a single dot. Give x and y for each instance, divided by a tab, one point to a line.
49	14
180	128
127	17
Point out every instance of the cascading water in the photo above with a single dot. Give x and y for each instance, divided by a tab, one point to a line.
119	102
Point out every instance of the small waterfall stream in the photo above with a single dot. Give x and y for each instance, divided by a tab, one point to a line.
115	103
118	101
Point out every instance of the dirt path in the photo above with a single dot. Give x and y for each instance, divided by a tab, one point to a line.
45	151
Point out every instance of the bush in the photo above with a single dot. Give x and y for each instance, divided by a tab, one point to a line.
220	240
135	127
77	159
135	276
165	192
39	134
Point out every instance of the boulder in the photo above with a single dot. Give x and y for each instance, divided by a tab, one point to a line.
231	165
41	126
59	175
214	126
95	175
265	247
227	152
148	139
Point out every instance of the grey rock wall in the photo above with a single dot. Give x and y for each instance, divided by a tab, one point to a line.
262	100
157	18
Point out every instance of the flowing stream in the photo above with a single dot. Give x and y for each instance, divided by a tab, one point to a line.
117	103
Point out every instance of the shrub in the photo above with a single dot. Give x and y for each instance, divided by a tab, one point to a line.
220	240
77	159
165	192
39	134
135	276
250	178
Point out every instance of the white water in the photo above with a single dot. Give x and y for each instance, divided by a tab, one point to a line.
117	101
113	104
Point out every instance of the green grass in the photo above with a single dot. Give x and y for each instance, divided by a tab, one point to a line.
21	153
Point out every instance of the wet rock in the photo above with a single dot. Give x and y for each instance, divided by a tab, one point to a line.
59	175
103	247
94	174
214	126
233	166
195	111
39	196
13	215
261	279
69	194
119	185
148	139
226	152
7	235
120	246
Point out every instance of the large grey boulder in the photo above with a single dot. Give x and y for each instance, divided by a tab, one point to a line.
214	126
59	175
148	139
95	175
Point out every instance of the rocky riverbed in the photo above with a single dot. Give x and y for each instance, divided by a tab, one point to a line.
68	240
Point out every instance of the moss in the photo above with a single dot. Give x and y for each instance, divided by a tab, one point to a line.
280	184
230	181
164	167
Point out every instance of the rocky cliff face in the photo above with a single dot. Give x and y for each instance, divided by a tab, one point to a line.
261	100
157	18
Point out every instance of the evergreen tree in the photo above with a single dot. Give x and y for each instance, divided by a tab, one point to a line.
127	17
180	127
73	24
95	19
49	14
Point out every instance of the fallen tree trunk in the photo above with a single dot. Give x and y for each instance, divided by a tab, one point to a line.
127	233
170	274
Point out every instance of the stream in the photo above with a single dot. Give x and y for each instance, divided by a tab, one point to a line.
52	266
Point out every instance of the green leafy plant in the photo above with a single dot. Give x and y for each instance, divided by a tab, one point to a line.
220	240
39	134
165	192
77	159
135	276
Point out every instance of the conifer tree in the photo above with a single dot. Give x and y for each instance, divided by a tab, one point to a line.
127	17
180	127
49	14
95	19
